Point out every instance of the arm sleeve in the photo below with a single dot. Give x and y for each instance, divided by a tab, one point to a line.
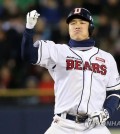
47	53
43	53
29	53
112	101
113	89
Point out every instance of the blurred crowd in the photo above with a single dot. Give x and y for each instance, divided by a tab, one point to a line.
14	73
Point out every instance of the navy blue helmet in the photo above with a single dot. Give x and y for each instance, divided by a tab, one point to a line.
83	14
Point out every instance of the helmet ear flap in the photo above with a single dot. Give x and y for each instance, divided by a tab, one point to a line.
91	28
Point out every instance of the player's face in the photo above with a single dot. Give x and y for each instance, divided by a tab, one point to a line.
78	29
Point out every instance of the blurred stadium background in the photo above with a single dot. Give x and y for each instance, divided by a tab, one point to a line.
26	91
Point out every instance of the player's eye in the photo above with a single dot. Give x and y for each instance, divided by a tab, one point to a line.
82	22
73	22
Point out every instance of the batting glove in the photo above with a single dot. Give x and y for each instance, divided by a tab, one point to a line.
32	19
97	118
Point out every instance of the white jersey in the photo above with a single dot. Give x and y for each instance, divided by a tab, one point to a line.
81	77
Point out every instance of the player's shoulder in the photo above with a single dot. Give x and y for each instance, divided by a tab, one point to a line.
47	42
65	46
106	54
53	43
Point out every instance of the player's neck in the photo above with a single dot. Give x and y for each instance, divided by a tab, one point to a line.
82	44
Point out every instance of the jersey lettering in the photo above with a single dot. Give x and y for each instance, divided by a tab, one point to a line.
77	65
103	69
70	64
87	66
96	67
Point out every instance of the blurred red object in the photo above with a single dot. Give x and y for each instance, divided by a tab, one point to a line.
46	84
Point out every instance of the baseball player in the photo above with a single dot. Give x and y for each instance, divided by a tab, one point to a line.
87	82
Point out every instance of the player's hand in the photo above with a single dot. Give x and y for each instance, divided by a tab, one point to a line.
97	118
32	19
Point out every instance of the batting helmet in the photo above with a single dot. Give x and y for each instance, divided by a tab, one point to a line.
83	14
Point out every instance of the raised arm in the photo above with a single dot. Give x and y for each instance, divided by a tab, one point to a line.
29	53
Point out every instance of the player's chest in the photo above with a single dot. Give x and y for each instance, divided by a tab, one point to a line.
84	61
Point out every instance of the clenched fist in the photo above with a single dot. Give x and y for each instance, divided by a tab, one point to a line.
32	19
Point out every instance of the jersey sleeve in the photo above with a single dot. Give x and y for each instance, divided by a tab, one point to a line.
112	100
43	53
47	53
114	77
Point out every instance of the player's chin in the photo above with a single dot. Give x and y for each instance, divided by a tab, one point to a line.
78	38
